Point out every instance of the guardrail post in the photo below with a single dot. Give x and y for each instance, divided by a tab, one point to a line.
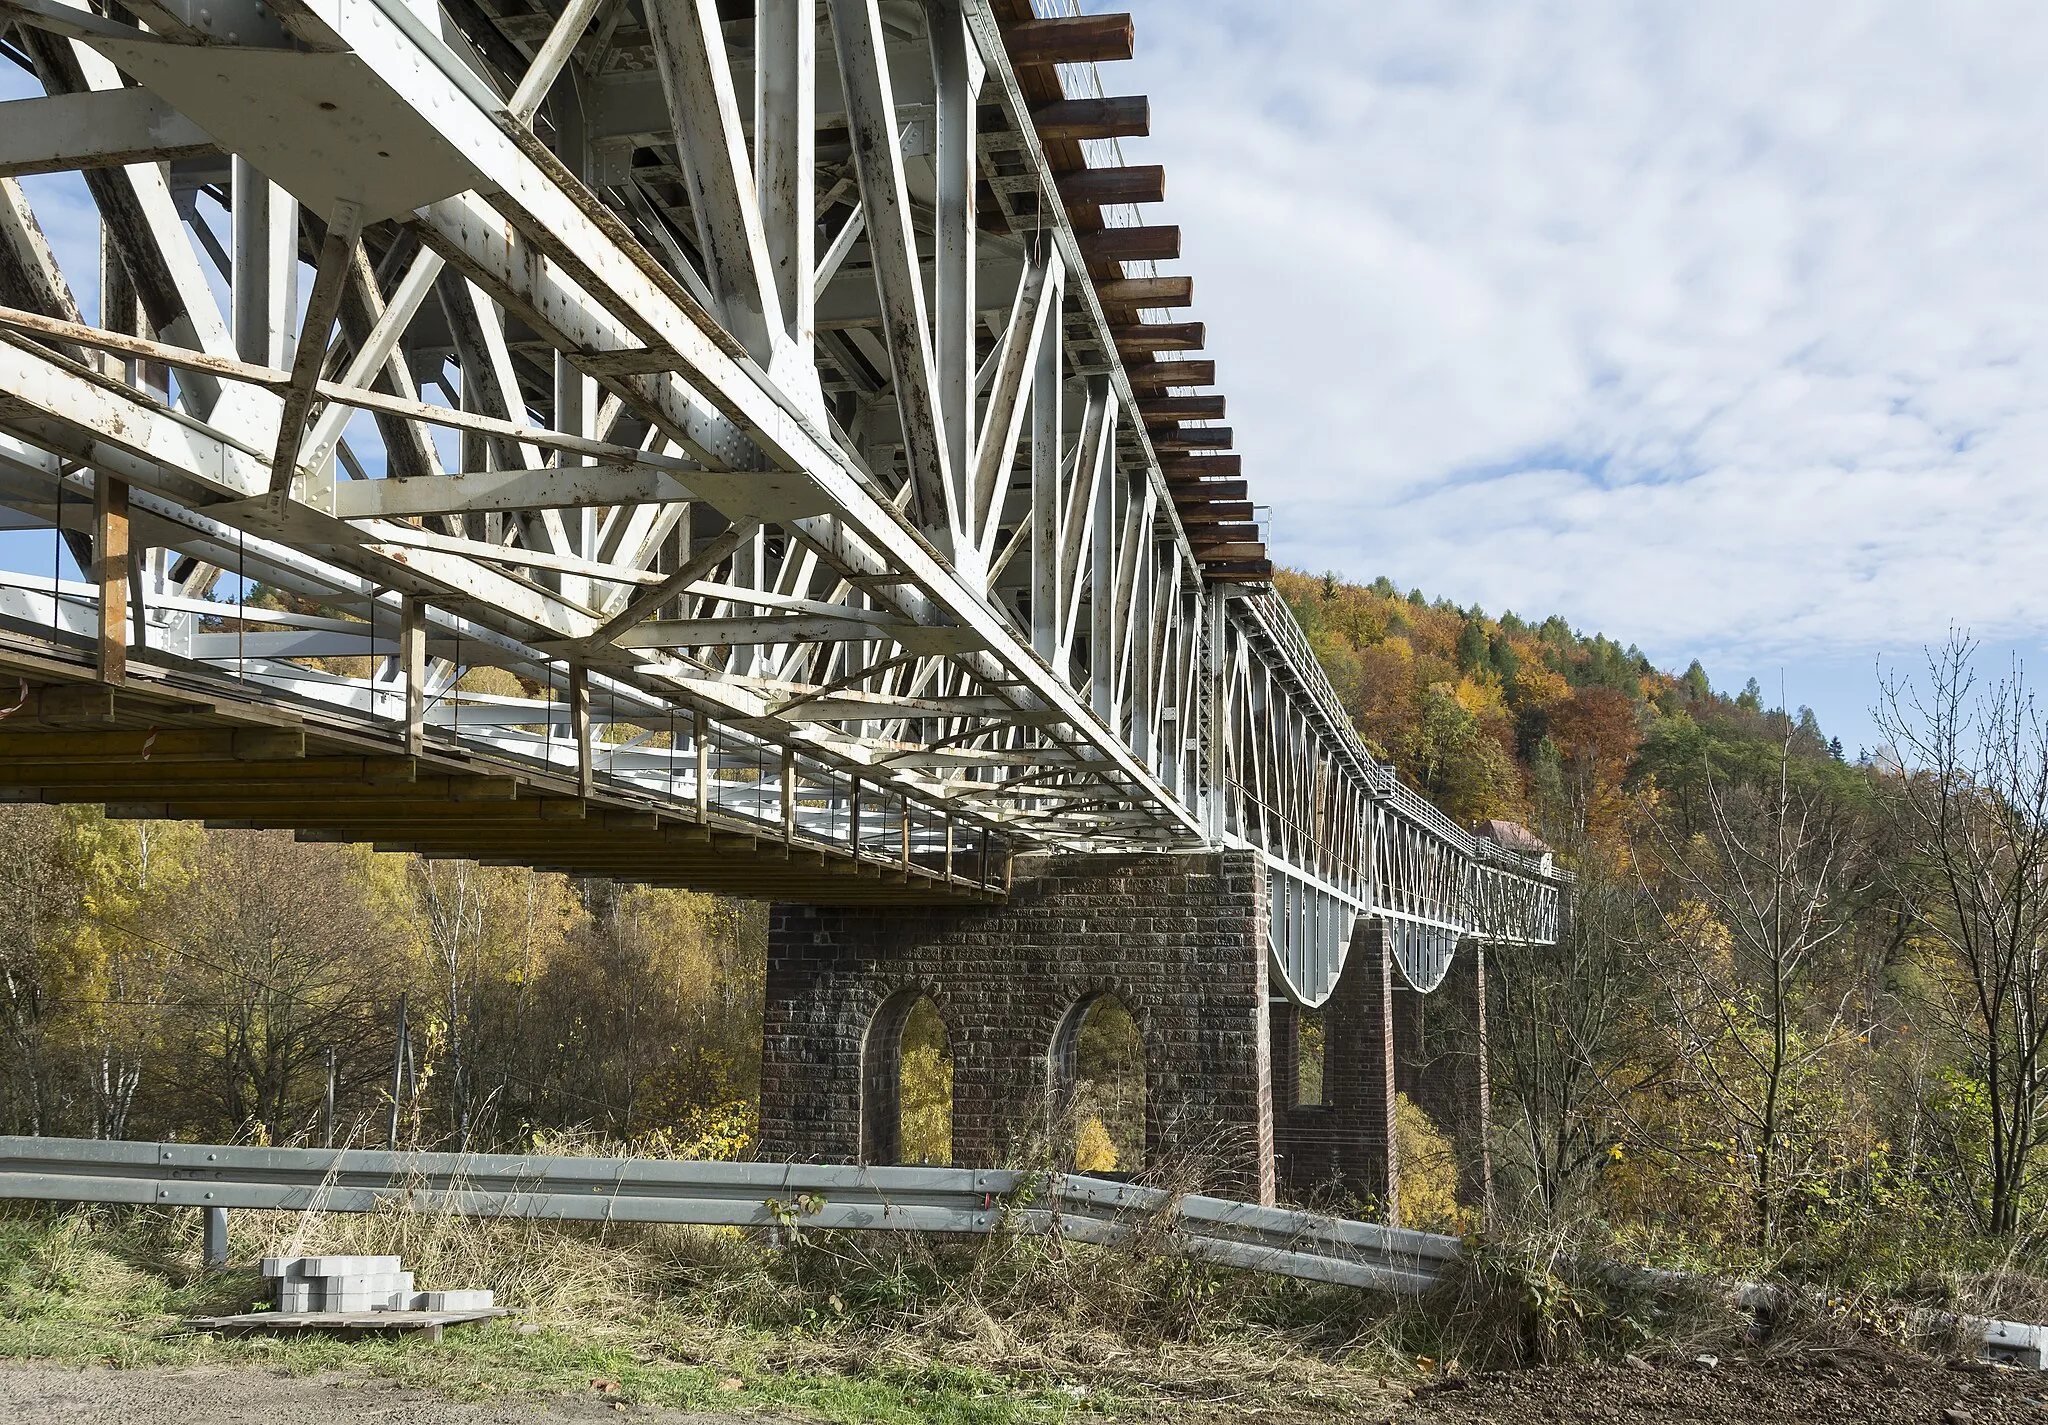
214	1252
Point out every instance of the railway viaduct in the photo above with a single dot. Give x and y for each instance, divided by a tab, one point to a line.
746	446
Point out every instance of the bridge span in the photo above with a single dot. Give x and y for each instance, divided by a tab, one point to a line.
743	444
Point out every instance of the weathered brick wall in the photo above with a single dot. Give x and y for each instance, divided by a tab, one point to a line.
1344	1146
1179	939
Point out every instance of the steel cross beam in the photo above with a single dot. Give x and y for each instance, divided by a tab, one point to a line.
723	411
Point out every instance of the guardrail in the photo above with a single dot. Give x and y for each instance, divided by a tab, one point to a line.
217	1177
833	1197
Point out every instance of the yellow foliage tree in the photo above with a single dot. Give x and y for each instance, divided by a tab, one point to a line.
1093	1150
925	1105
1429	1170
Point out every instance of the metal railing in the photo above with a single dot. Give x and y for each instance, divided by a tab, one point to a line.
804	1196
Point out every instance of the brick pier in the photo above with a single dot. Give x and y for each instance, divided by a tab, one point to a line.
1179	939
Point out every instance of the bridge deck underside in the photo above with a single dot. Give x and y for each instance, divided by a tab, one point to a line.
174	742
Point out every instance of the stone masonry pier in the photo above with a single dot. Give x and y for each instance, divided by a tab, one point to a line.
1181	941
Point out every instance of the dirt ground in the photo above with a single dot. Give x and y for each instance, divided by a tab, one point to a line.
1808	1389
1814	1390
222	1395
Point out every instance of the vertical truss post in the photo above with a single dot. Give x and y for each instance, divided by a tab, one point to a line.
579	728
574	415
412	664
858	39
949	848
263	272
853	822
1136	593
696	78
1094	456
701	737
110	557
1215	715
788	795
119	311
957	72
1048	377
139	562
785	156
337	255
1103	611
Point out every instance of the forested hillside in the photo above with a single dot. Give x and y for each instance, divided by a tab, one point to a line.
1797	1015
1800	1015
158	979
1535	722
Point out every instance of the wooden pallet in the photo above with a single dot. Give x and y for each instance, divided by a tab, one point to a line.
354	1323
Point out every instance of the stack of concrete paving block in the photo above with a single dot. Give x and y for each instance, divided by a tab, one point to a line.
359	1284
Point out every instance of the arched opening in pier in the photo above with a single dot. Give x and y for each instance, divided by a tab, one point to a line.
1099	1065
1310	1089
907	1084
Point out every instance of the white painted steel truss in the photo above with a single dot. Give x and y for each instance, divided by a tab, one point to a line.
739	386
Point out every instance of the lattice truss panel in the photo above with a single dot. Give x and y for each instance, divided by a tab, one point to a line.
1342	837
728	375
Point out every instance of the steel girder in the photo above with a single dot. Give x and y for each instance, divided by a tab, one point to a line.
682	369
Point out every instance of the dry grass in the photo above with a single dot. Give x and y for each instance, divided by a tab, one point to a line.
994	1329
1132	1322
859	1327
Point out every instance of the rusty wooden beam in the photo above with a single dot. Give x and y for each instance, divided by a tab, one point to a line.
1134	183
1159	336
1210	490
1071	39
1145	244
1148	376
1147	292
1207	512
1124	117
1202	467
1169	438
1181	408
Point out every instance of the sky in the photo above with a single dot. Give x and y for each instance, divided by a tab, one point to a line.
1719	329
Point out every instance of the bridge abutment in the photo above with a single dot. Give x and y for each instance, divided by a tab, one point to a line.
1179	939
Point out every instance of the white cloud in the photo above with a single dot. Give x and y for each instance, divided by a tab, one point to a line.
1717	327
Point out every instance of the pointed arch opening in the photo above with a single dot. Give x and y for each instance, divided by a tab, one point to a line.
1099	1078
907	1084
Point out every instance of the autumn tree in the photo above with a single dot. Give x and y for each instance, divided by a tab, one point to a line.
1747	902
278	955
1970	797
1565	1039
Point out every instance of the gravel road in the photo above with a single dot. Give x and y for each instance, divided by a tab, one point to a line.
1815	1390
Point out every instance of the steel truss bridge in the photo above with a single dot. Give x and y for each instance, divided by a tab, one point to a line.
726	444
